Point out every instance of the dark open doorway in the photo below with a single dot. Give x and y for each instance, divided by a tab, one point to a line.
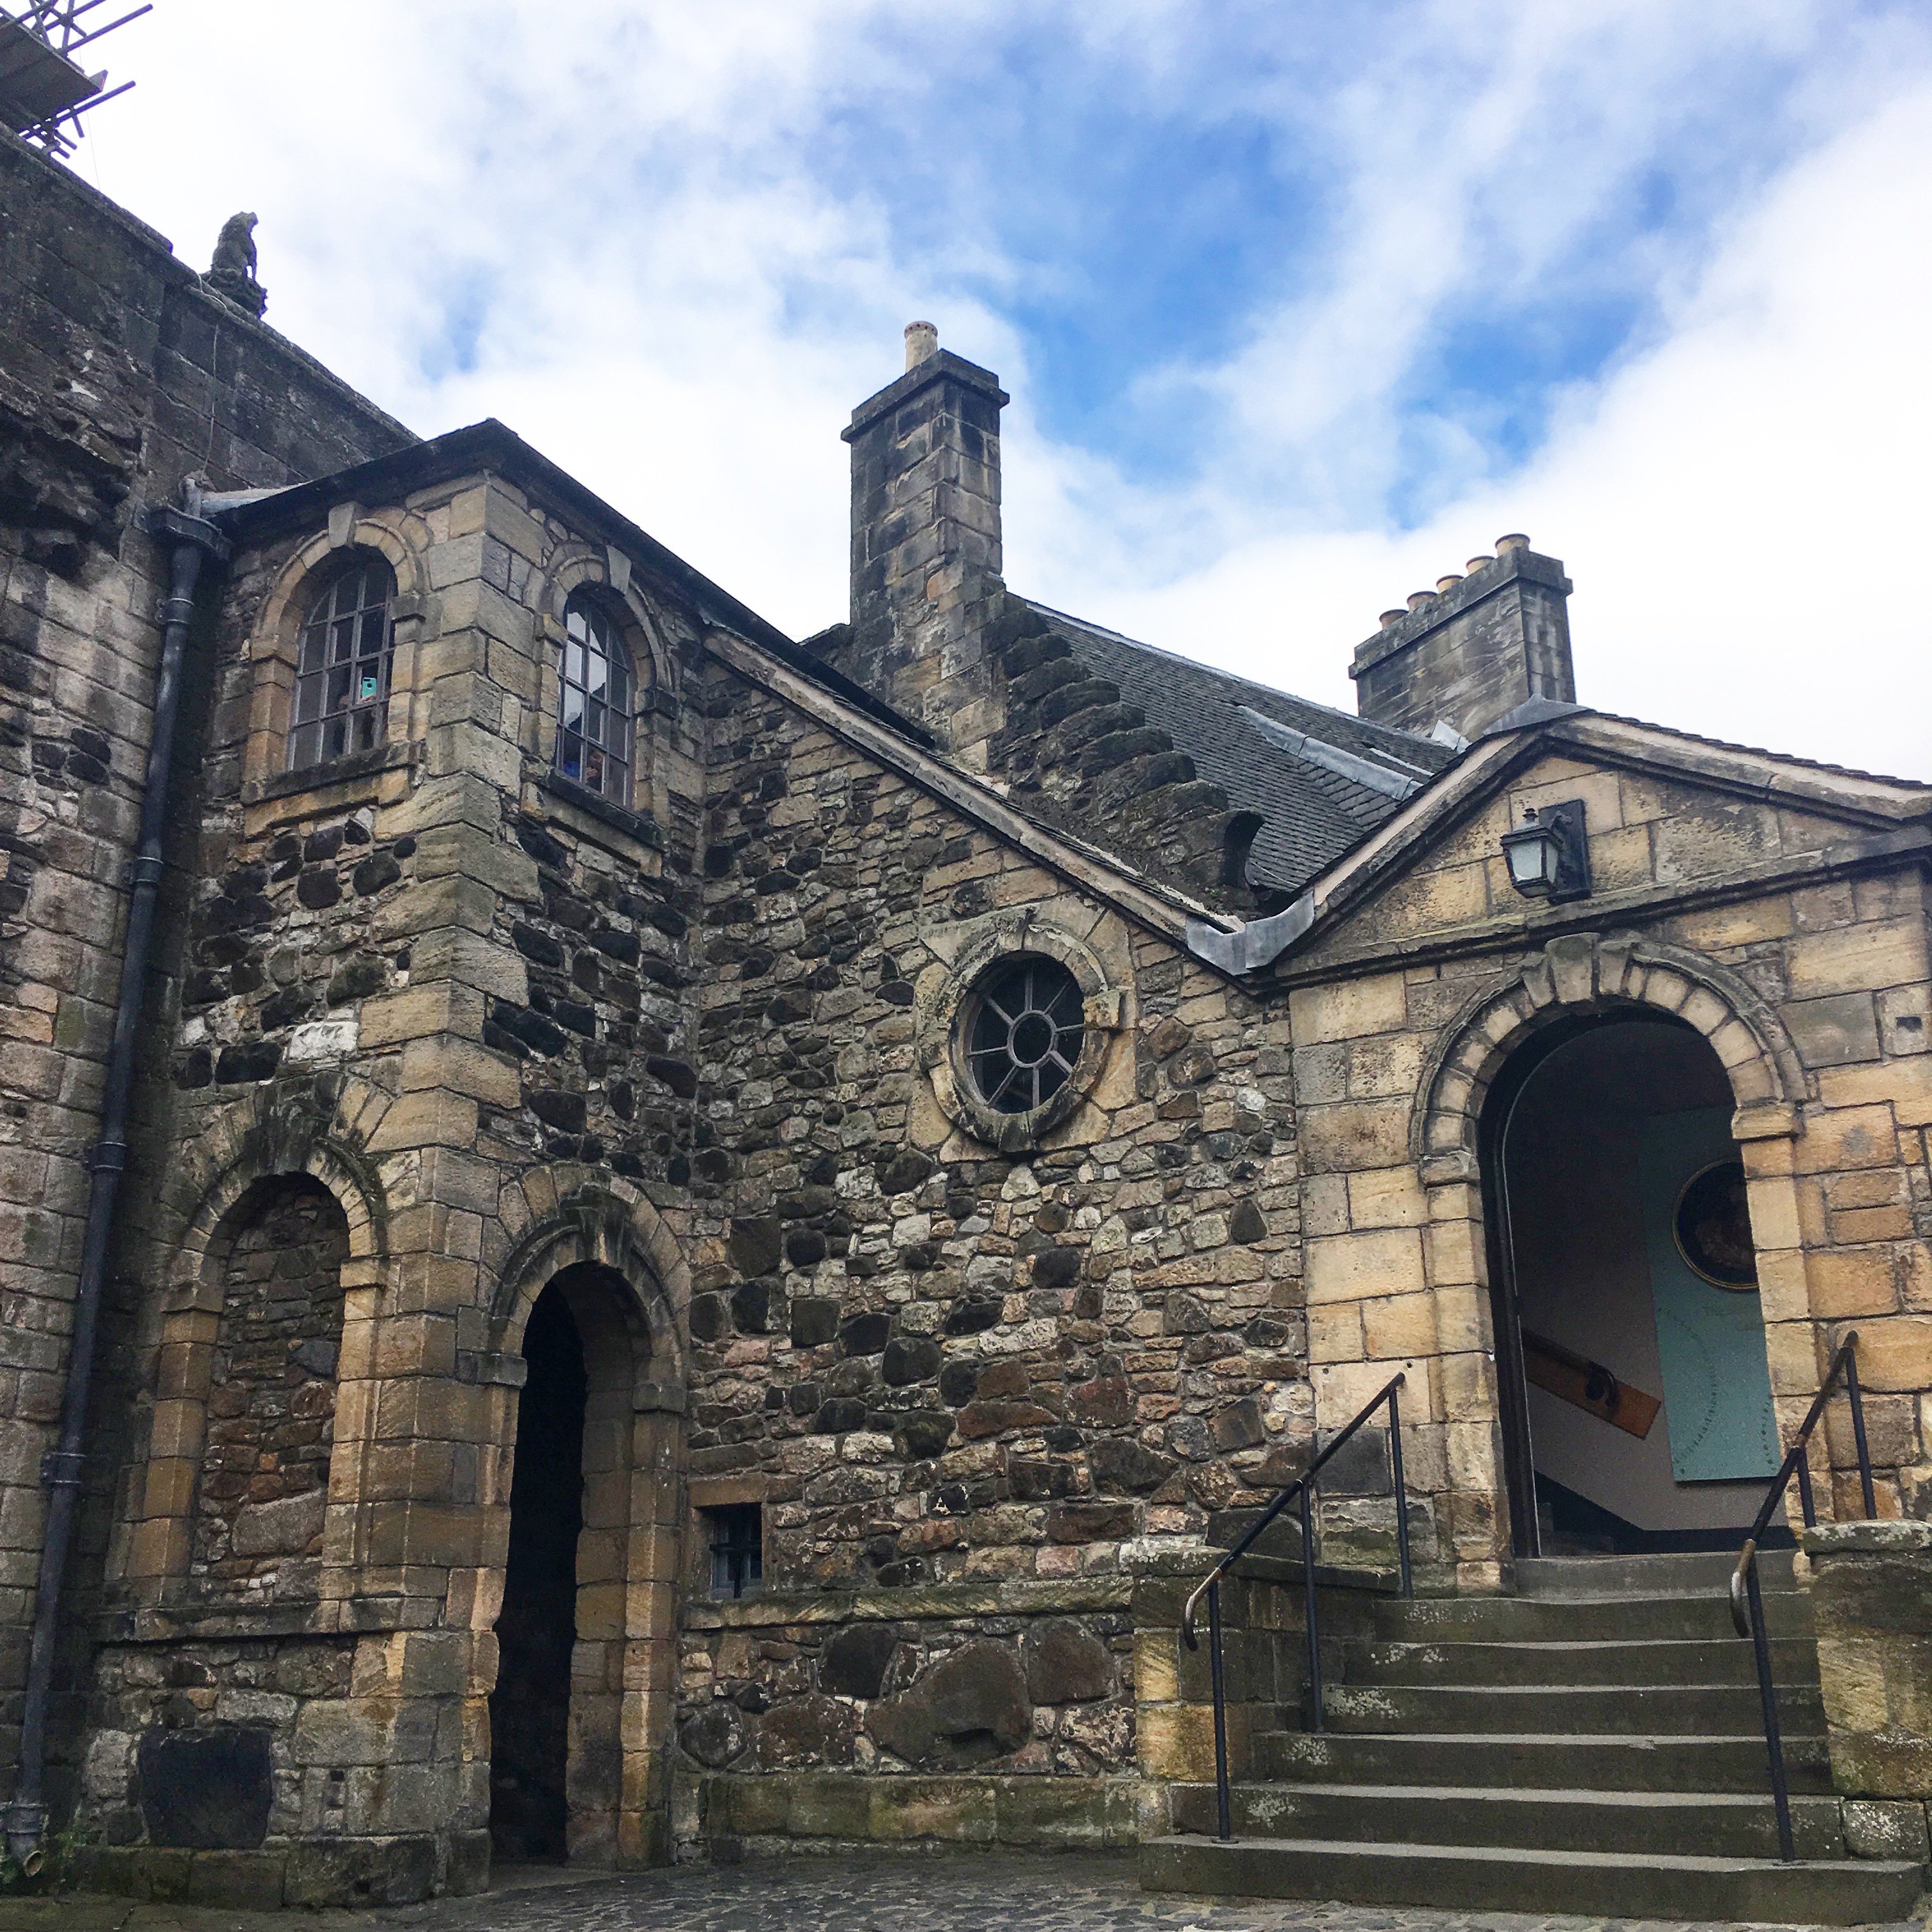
536	1630
1635	1392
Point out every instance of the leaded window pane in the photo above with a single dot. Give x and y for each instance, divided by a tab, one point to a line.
342	666
596	722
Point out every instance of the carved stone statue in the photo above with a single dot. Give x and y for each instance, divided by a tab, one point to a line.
232	271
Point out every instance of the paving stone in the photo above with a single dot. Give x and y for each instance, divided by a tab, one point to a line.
848	1891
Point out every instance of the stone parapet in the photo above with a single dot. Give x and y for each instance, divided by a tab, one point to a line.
1871	1590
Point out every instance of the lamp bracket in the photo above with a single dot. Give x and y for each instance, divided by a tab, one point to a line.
1573	852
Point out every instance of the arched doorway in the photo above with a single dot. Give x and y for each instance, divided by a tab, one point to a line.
1635	1391
587	1478
536	1629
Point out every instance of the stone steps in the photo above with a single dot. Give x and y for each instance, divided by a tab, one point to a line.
1716	1824
1578	1619
1701	1572
1661	1710
1593	1744
1611	1762
1488	1878
1651	1661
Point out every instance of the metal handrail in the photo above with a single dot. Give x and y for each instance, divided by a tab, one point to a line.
1210	1586
1747	1598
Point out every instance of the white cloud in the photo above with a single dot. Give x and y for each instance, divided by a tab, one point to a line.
1744	509
656	235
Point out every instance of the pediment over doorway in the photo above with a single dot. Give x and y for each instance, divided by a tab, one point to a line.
1674	824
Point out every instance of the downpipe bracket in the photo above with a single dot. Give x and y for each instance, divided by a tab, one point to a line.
26	1826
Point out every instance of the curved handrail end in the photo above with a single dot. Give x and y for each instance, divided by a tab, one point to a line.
1741	1614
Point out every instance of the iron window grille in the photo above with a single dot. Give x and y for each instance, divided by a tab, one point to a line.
737	1549
342	666
1026	1030
595	720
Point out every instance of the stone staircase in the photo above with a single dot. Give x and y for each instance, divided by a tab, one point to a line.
1591	1744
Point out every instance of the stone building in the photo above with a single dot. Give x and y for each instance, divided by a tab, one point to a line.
712	1230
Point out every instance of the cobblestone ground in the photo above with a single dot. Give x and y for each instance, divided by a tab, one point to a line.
936	1892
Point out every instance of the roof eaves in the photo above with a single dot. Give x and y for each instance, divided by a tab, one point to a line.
493	446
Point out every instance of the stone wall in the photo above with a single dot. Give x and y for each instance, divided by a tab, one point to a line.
1871	1594
930	1363
1059	1715
451	991
119	374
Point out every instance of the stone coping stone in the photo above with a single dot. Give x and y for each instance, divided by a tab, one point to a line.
1892	1538
855	1808
221	1624
1011	1596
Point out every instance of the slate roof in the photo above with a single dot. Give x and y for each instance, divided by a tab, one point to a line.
1311	815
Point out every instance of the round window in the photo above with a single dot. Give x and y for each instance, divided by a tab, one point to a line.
1026	1033
1713	1227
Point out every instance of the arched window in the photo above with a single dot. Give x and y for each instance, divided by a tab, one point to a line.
595	720
342	672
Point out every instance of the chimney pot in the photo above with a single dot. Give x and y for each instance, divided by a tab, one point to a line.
922	341
1417	599
1516	540
1389	617
1447	582
1477	563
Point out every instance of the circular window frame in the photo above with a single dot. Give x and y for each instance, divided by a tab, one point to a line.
1750	1285
945	1029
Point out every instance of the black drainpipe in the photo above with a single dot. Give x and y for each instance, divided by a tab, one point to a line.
191	539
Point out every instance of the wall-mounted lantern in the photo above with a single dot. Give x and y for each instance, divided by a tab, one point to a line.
1549	854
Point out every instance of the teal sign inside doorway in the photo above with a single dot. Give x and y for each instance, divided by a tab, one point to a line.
1717	1384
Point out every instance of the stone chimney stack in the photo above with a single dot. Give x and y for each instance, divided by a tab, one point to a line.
1472	650
925	543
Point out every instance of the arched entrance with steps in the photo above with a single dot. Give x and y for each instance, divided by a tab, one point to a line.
1634	1390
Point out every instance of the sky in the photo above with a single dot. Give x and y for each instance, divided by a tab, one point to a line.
1301	305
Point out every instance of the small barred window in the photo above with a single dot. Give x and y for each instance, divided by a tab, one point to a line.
595	724
1026	1031
342	670
737	1548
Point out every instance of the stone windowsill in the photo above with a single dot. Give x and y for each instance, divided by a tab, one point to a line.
344	771
595	817
1016	1595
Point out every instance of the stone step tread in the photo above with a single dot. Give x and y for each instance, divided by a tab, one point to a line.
1847	1891
1607	1690
1620	1760
1640	1646
1727	1822
1603	1663
1673	1574
1397	1852
1490	1794
1678	1710
1610	1740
